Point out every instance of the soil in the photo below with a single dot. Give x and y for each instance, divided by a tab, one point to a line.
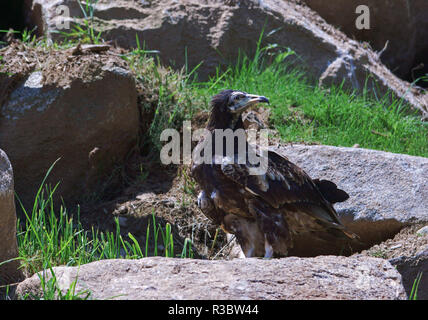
59	67
406	243
165	194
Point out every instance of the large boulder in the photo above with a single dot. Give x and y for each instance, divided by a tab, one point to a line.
326	277
9	272
387	191
75	105
214	31
401	23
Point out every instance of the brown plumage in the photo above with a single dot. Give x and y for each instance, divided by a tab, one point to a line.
263	211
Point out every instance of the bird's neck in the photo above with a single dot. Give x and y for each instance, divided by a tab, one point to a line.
220	121
233	124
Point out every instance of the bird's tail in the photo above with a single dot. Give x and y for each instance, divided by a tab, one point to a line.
330	191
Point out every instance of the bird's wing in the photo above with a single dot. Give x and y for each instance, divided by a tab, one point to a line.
284	185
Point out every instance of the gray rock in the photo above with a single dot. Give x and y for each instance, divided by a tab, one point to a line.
422	231
79	108
325	277
214	31
401	25
387	191
9	272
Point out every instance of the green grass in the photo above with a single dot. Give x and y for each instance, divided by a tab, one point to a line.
303	112
300	110
84	33
414	292
52	237
165	95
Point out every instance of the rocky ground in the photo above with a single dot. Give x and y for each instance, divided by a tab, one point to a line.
406	243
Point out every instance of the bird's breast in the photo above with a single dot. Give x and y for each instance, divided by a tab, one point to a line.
230	201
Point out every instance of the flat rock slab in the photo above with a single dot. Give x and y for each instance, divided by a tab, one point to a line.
324	277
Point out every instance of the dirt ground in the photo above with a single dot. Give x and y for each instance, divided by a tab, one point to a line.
168	195
405	243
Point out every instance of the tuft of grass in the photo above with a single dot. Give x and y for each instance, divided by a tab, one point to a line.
49	237
414	292
379	253
84	33
50	290
303	112
165	97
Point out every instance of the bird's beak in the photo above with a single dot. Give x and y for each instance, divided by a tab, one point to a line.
247	102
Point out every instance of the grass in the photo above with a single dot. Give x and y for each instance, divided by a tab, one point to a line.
84	33
414	292
302	112
52	237
165	94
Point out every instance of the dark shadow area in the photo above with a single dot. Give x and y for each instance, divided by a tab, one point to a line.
12	15
419	70
410	268
369	232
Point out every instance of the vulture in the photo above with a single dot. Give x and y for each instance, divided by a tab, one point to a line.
263	211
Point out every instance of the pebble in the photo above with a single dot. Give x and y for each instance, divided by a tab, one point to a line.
396	246
422	231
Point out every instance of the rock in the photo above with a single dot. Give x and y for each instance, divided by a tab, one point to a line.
410	268
325	277
79	108
422	231
376	209
213	31
9	272
402	24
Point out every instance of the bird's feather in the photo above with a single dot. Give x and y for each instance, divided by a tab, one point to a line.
284	185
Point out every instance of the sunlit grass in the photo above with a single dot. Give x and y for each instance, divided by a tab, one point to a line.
52	237
304	112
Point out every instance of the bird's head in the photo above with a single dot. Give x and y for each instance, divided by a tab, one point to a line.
228	105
